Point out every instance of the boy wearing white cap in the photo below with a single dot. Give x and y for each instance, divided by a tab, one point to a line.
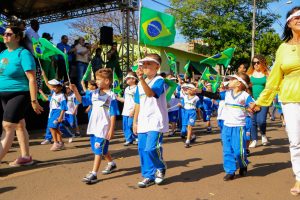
150	120
190	104
128	108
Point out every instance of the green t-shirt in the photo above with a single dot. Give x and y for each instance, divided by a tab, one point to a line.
258	85
13	66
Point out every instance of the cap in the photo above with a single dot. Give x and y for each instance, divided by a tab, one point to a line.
148	59
239	79
188	85
54	82
295	14
129	76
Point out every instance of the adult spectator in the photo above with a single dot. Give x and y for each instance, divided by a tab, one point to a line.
113	60
22	25
258	73
97	60
61	65
32	32
285	80
17	89
82	60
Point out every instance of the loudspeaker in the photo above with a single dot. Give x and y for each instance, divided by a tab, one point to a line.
106	35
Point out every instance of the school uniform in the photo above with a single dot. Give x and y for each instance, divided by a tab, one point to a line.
234	130
152	123
127	108
173	111
221	117
104	107
189	111
208	107
57	104
70	116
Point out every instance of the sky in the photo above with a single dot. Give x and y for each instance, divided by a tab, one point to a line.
60	28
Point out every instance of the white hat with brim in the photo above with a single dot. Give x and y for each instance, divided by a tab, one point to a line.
54	82
238	78
129	76
188	85
148	59
225	83
173	78
295	14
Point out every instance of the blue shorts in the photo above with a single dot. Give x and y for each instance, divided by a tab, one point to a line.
99	145
220	124
71	120
189	117
207	115
54	115
173	116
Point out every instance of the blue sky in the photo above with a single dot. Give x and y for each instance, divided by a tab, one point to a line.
60	28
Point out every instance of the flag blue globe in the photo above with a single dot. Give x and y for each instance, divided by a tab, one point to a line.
154	28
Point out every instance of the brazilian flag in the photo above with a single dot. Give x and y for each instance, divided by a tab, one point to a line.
171	88
116	84
156	28
222	58
2	30
210	75
172	62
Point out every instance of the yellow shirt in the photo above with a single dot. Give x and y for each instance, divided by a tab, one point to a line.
284	77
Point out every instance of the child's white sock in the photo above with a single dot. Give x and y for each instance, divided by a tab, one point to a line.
112	163
94	173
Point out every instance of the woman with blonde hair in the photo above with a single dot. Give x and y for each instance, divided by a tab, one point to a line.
258	73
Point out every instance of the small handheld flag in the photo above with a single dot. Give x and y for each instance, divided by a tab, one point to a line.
223	58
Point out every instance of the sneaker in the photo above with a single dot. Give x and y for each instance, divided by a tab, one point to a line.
55	147
160	176
253	144
22	161
208	129
264	140
243	171
61	145
187	144
229	177
248	152
46	142
127	143
193	138
70	140
172	134
109	169
90	178
145	183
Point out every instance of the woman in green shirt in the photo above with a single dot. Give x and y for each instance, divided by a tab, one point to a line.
258	73
17	89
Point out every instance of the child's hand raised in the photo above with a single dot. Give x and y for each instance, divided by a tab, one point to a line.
140	73
73	87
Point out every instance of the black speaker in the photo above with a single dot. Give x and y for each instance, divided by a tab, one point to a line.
106	35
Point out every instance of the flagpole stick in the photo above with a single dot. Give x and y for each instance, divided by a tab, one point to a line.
139	48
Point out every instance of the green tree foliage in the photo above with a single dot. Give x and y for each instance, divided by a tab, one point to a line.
225	23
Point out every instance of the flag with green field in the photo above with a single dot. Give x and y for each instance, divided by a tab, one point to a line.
222	58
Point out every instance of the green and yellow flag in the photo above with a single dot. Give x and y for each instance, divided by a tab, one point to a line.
172	62
88	73
222	58
171	88
2	30
116	84
134	67
210	75
156	28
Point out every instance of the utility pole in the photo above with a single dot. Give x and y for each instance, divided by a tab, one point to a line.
253	29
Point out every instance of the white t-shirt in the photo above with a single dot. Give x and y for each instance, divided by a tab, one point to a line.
191	103
128	100
71	103
82	58
172	103
104	106
153	114
221	107
235	108
30	33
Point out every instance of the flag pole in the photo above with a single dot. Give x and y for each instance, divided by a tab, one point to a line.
139	30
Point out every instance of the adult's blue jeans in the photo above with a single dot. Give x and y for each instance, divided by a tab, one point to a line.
81	69
259	119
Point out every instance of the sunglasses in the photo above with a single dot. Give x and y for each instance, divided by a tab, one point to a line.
8	34
254	63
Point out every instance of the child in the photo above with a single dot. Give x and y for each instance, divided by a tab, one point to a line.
102	121
221	116
70	115
150	120
233	133
173	111
58	107
128	109
91	87
207	106
190	104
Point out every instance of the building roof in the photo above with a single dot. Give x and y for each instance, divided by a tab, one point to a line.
185	47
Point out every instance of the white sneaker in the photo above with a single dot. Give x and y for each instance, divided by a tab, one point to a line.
46	142
70	140
253	144
264	140
160	176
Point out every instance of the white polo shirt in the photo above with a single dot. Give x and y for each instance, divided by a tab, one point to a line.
128	100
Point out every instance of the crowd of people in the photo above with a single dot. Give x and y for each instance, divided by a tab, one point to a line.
241	103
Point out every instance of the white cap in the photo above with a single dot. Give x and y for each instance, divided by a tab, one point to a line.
188	85
295	14
173	78
239	79
208	84
148	59
225	83
130	76
54	82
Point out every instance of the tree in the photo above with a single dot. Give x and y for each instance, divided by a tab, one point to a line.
222	23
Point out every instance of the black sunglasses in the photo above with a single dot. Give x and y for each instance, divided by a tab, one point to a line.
8	34
254	63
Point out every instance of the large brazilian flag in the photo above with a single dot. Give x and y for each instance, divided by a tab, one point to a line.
156	28
223	58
